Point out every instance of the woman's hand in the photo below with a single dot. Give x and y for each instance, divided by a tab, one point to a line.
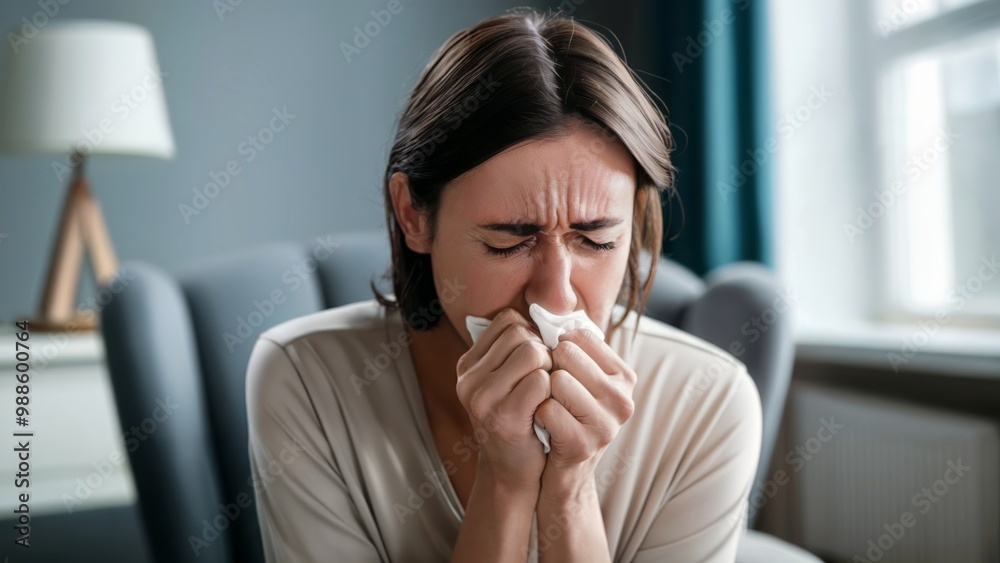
591	400
502	380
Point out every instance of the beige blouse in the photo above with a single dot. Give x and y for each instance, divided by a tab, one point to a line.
346	468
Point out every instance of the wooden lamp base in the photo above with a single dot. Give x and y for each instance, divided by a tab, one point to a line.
81	229
77	323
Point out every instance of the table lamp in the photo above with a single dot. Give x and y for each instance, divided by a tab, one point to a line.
77	88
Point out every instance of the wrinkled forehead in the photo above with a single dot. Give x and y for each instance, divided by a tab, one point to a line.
540	180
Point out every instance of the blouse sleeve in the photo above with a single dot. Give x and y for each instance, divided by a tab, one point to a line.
704	517
304	506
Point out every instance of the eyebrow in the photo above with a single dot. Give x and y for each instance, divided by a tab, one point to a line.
528	229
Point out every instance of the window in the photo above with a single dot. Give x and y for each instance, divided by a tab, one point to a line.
940	110
887	202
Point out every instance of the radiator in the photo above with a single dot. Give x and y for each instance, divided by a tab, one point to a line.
880	480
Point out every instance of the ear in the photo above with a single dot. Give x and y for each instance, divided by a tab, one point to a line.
412	222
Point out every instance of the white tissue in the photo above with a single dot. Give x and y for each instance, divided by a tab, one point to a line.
551	327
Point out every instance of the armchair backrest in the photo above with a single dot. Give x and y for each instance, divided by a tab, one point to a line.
187	338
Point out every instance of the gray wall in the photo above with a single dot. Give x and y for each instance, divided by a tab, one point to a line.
320	175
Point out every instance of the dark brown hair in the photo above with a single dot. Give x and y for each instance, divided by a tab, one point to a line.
519	76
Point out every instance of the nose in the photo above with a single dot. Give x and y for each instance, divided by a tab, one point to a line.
549	283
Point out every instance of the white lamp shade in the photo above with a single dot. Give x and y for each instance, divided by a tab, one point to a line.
87	85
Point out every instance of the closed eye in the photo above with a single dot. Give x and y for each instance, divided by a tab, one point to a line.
603	247
510	251
505	252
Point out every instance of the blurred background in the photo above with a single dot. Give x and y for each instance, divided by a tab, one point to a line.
846	147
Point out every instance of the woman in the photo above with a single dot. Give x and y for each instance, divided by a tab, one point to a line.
527	169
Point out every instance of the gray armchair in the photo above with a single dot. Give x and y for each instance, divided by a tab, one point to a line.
187	338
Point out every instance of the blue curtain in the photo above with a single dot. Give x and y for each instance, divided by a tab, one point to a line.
711	71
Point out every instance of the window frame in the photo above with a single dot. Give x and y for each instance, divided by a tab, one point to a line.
876	54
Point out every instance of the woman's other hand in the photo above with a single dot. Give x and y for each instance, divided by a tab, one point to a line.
591	400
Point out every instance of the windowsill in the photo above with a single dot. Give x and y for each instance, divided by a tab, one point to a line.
949	351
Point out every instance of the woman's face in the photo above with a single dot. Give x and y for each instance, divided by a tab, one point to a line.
547	222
